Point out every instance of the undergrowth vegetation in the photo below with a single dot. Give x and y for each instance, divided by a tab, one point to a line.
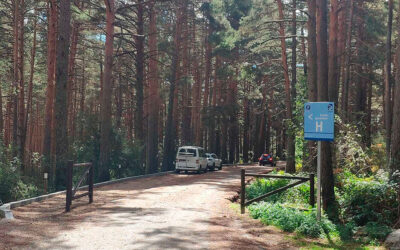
367	208
13	186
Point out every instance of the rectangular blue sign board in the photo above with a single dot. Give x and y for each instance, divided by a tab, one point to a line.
319	121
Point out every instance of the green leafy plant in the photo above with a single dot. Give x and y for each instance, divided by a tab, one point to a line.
292	219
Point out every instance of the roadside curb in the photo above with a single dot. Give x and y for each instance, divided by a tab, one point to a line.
5	210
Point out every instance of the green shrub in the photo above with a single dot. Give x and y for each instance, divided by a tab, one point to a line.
12	187
377	231
346	231
368	205
364	200
291	219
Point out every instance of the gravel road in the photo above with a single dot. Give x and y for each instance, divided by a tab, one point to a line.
176	211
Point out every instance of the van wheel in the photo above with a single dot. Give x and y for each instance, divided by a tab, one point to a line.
177	171
205	170
220	166
198	171
213	167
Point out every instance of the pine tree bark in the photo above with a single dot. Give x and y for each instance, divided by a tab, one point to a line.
29	109
290	158
105	106
333	49
14	88
60	106
152	130
21	133
394	161
208	68
387	79
346	81
72	89
327	179
310	164
139	42
170	132
246	126
186	109
49	114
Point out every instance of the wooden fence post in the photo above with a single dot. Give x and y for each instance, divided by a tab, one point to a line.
242	190
90	183
312	194
69	186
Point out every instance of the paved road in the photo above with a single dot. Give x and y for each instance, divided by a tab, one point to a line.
169	212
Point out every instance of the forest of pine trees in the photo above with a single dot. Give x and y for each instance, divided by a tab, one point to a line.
123	83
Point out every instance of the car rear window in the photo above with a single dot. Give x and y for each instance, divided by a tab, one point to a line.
192	151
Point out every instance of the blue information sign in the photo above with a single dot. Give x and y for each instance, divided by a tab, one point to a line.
319	121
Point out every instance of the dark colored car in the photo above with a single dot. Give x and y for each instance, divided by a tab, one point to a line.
266	159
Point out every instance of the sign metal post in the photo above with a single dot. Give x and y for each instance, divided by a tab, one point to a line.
319	182
319	126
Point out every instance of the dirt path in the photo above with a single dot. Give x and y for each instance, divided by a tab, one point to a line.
168	212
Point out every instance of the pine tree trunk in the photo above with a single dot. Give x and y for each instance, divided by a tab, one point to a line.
21	133
327	179
346	81
139	42
49	114
186	110
60	106
29	110
333	34
208	69
152	130
387	79
246	127
170	132
105	111
72	78
394	161
290	158
310	164
14	88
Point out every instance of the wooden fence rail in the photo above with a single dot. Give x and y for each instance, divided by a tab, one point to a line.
301	179
71	190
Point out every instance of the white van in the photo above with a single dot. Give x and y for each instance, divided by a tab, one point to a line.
191	158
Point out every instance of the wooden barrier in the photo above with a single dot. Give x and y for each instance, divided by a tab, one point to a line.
244	203
71	190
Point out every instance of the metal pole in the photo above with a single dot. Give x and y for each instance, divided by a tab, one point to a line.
242	191
319	182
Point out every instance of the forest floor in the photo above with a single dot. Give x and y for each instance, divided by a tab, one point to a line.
176	211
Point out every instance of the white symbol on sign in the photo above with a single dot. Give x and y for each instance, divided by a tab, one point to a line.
310	116
318	126
322	117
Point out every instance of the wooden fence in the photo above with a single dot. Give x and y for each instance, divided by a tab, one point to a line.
244	203
71	190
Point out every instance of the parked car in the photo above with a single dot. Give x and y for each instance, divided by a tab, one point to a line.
266	159
191	158
213	161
